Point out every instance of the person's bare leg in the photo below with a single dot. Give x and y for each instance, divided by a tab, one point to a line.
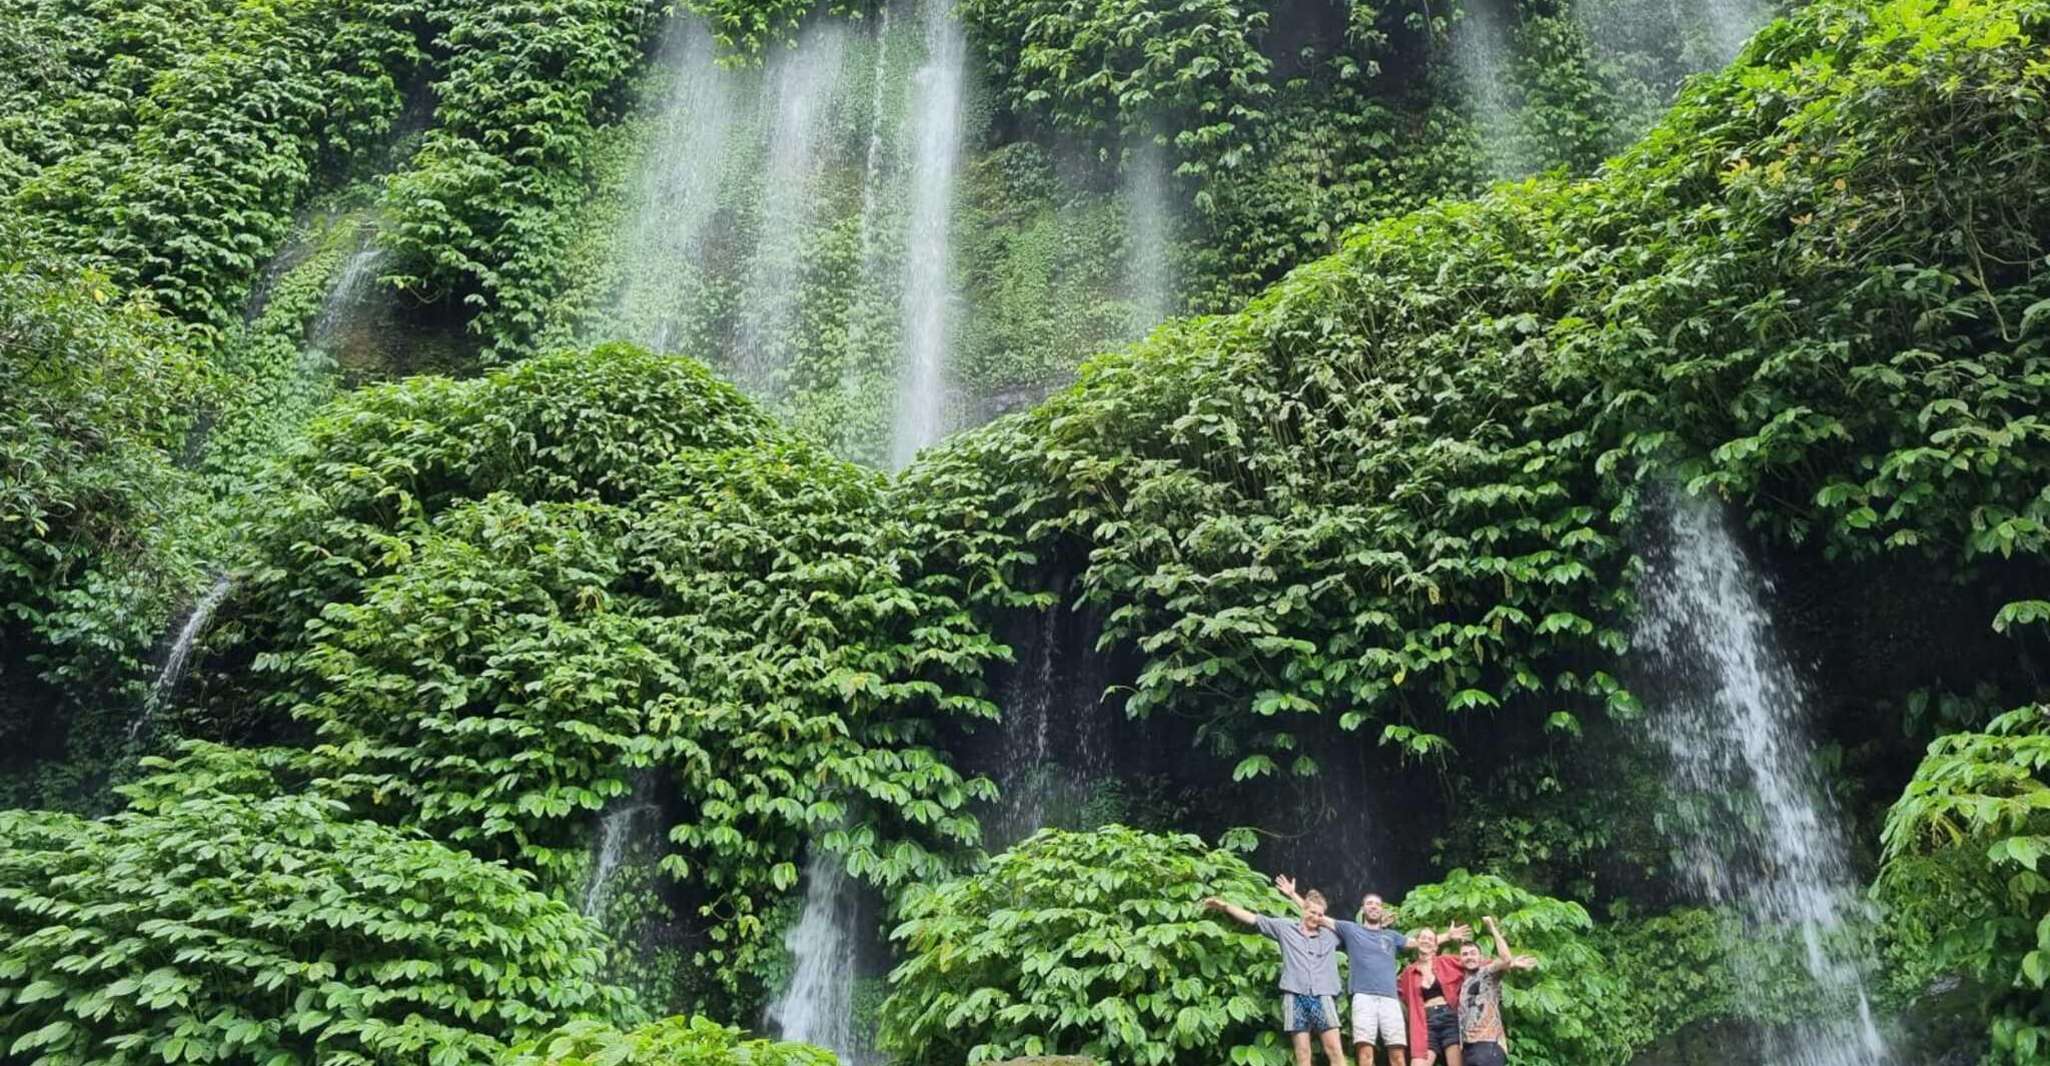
1332	1049
1365	1053
1455	1055
1398	1055
1302	1048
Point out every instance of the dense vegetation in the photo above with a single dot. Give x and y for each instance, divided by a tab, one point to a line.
222	917
1378	528
1086	943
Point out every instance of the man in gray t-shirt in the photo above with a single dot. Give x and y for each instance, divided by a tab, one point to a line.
1309	974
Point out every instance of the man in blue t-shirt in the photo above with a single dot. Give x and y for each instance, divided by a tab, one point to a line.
1370	951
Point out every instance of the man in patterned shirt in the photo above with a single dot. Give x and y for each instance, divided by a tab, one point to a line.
1480	999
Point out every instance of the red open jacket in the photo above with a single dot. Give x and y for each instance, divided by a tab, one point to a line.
1409	988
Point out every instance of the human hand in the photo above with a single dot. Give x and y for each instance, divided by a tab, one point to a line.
1523	962
1212	903
1493	926
1286	884
1458	932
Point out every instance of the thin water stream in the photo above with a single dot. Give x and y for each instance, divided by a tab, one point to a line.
616	837
179	655
1149	223
934	136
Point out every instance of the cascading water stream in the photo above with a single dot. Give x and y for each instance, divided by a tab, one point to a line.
615	836
1026	755
1699	35
1149	224
179	655
353	289
1480	51
817	1007
678	191
1731	23
1733	714
801	81
935	140
1055	747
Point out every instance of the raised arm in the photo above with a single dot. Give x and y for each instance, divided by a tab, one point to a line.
1503	957
1287	886
1243	915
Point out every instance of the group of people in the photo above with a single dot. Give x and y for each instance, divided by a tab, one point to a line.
1439	1008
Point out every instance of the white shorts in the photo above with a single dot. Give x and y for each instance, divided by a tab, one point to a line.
1378	1020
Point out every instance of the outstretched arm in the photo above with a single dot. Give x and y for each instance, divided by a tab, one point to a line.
1243	915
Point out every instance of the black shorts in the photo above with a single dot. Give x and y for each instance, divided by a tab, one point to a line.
1486	1053
1441	1028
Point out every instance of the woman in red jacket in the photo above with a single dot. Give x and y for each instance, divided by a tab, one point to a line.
1429	990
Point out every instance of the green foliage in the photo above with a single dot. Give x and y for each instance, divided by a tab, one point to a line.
485	212
171	140
1332	155
1189	70
676	1041
744	28
1044	265
100	393
221	918
1086	943
1965	846
493	601
1398	486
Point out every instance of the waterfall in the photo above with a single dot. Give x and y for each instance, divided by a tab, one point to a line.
872	159
817	1007
1734	717
869	328
615	835
935	140
1690	37
1025	755
353	286
1480	51
179	655
1731	23
677	193
1149	227
800	94
1055	748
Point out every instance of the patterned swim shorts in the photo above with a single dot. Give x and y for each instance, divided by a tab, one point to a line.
1307	1014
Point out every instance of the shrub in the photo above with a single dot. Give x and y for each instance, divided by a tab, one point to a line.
221	918
1091	944
1964	873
